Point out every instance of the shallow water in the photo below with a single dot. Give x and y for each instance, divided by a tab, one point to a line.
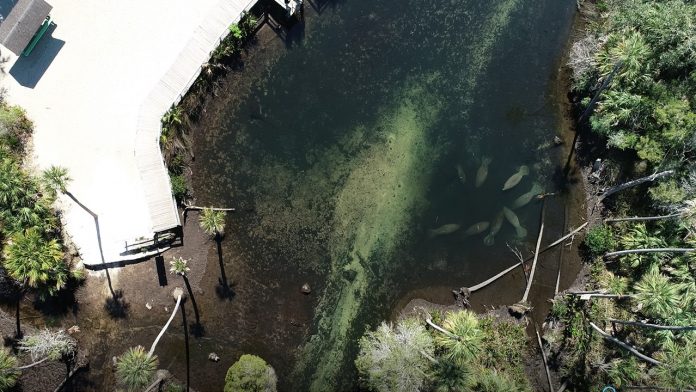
357	142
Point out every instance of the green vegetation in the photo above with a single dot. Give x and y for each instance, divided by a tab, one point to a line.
212	221
600	240
31	250
8	370
175	137
467	353
135	369
250	374
648	113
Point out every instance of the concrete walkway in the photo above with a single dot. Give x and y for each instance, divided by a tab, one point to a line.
93	88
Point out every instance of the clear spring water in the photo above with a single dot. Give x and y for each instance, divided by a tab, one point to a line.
360	140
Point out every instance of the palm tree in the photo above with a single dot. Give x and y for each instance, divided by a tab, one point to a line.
464	340
179	267
678	368
56	179
9	374
213	223
135	368
658	296
36	264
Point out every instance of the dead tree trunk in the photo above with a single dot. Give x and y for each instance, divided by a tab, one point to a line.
648	250
625	346
646	218
543	357
633	183
536	255
654	326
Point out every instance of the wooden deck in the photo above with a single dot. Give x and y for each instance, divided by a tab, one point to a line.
167	92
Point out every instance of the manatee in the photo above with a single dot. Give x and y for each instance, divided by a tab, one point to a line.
477	228
515	222
516	178
482	171
527	197
461	173
495	228
442	230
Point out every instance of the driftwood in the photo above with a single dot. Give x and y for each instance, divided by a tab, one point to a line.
563	386
654	326
625	346
440	329
633	183
648	250
543	357
647	218
507	270
164	329
536	256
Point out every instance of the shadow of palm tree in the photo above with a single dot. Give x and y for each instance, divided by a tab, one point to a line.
116	305
223	289
116	302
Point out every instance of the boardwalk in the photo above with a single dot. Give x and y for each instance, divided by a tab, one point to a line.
96	87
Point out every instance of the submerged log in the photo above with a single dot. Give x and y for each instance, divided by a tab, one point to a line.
625	345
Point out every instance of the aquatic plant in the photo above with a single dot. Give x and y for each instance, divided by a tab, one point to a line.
250	374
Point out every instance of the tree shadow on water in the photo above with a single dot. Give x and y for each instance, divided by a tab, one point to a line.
116	305
223	289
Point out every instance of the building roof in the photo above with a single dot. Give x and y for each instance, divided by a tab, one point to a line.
22	23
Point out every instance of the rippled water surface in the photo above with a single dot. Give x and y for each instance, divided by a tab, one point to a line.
351	153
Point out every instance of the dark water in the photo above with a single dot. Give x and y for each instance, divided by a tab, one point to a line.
351	147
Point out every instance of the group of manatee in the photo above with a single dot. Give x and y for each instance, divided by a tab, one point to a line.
506	213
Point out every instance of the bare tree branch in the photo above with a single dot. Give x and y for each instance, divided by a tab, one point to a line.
625	346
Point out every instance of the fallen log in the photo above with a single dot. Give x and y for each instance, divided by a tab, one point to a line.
633	183
516	265
625	346
654	326
536	255
648	250
543	357
646	218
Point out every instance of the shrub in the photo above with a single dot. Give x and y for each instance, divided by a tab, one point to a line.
600	240
250	374
395	358
134	369
179	189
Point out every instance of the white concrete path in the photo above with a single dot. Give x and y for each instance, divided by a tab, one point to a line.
101	62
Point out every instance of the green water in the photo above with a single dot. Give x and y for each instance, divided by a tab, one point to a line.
361	138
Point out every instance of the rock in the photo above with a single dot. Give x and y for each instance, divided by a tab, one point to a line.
305	289
214	357
73	329
148	306
557	140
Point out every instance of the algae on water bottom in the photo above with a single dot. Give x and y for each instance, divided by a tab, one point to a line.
374	210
